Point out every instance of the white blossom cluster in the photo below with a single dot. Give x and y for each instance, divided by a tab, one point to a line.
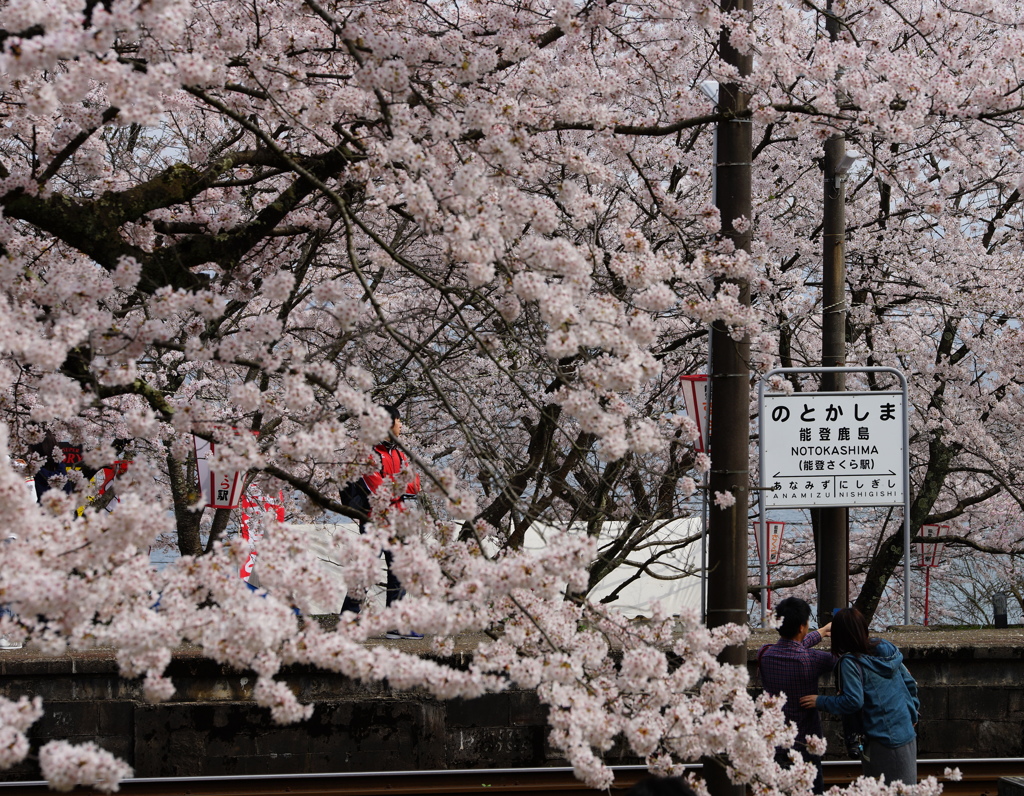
256	223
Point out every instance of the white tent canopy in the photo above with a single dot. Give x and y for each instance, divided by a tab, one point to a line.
673	579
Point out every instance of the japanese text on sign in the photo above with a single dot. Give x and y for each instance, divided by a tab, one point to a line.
775	529
833	449
931	551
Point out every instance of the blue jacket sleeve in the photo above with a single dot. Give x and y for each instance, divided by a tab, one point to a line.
852	698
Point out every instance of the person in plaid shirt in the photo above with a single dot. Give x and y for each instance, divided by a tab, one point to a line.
790	666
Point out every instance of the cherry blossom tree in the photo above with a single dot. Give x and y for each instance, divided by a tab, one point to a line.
272	217
934	292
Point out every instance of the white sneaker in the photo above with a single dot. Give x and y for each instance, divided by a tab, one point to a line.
7	644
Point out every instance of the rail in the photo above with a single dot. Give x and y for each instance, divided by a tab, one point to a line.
980	778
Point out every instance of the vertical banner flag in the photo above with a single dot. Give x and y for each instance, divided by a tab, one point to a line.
775	529
21	466
221	488
931	551
250	505
695	395
107	476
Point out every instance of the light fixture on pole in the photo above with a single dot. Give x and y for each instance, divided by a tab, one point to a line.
844	165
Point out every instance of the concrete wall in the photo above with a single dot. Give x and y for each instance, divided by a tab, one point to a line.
211	727
972	706
972	700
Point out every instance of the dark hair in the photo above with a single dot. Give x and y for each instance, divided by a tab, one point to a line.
850	633
393	411
661	786
794	613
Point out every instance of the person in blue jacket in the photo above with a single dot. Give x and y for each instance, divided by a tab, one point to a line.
875	686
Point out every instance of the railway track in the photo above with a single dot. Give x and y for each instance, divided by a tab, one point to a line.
980	778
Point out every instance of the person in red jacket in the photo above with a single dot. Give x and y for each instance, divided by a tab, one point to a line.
356	494
392	460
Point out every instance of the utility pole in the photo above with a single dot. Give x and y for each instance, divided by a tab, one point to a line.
833	529
730	365
730	381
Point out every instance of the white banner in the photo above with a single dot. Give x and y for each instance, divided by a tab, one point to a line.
221	489
775	529
695	396
931	552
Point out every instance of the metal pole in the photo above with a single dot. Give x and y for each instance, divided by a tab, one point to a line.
927	591
906	505
704	480
704	550
761	514
762	556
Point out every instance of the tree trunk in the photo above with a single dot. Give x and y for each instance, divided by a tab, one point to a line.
184	494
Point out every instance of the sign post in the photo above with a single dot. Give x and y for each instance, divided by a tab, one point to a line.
931	552
695	398
775	529
835	449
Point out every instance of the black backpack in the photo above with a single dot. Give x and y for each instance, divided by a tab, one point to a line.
356	495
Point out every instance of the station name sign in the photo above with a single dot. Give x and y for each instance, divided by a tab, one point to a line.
833	449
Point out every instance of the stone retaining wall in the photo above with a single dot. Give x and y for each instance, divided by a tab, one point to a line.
972	706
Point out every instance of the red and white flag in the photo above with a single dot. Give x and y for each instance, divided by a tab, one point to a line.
250	506
931	551
220	488
695	396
